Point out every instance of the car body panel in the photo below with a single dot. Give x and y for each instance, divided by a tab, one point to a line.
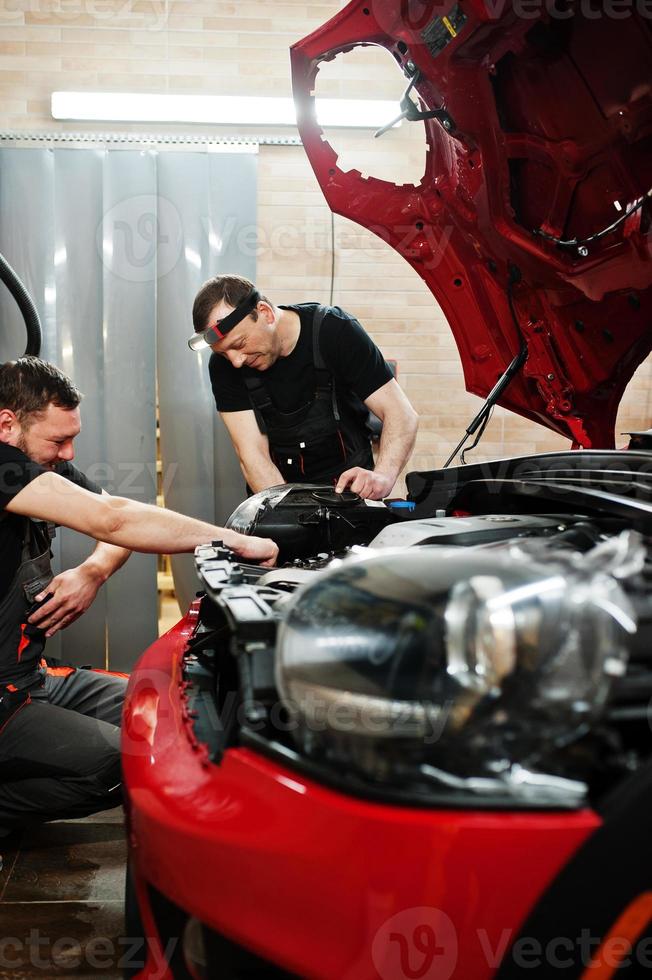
308	877
550	122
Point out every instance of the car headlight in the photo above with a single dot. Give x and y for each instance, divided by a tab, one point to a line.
308	520
247	514
463	666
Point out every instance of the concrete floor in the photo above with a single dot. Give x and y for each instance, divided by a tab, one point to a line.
61	900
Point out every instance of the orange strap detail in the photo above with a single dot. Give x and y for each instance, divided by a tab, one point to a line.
19	708
65	671
24	641
110	673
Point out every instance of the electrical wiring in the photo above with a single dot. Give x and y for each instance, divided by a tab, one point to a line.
332	257
576	242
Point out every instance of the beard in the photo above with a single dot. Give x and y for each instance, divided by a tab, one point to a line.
23	445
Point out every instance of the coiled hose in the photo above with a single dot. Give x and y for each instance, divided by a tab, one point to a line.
26	306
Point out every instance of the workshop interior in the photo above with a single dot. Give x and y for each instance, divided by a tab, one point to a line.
419	745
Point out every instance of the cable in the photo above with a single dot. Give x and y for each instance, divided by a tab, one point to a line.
332	257
572	242
25	305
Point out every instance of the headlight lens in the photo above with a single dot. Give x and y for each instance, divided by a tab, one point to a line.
468	663
246	514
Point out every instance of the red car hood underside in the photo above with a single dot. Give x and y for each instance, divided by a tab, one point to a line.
551	123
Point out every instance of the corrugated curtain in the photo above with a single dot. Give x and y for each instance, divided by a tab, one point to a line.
112	245
213	200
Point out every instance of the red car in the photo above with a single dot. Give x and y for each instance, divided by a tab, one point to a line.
421	747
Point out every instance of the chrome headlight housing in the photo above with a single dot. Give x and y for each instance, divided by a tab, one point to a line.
463	666
246	515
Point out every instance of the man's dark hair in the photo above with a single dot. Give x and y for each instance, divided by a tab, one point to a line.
29	385
232	289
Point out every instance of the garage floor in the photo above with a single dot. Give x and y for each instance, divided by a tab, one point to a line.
61	900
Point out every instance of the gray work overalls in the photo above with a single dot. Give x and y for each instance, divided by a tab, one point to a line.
59	728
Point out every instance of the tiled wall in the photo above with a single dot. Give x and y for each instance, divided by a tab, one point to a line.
184	46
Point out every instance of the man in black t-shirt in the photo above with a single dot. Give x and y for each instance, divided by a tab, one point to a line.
59	734
294	384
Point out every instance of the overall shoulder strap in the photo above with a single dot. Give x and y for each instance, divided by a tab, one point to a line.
324	380
257	391
317	320
259	398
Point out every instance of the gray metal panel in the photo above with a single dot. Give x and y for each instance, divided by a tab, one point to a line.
99	327
214	199
27	242
233	212
59	208
126	240
77	202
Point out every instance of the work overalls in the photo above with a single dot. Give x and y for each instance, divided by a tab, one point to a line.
59	727
17	637
314	443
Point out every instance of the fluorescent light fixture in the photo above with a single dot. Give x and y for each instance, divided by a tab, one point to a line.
226	110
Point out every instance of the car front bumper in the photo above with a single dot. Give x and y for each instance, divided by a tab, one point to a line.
316	882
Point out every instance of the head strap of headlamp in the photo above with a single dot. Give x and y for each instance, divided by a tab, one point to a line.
213	335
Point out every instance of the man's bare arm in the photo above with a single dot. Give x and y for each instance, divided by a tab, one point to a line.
397	439
127	523
252	448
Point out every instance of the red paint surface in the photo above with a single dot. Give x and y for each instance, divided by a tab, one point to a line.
313	879
550	130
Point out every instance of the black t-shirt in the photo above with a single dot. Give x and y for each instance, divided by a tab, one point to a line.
357	366
16	471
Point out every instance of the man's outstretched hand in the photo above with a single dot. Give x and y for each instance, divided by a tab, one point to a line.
262	550
370	484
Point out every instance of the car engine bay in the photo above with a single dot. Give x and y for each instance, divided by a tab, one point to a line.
475	657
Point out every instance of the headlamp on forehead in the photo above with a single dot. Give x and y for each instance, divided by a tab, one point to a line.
213	335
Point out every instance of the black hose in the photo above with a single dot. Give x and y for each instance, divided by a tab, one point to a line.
26	306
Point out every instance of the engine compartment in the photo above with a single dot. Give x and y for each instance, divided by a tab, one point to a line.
504	658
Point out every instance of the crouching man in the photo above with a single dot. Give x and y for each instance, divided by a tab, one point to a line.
59	729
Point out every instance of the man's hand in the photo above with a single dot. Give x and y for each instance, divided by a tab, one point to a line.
263	550
72	593
370	484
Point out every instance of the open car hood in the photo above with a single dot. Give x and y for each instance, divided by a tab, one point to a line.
544	132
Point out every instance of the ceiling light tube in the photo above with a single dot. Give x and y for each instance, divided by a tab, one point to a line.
226	110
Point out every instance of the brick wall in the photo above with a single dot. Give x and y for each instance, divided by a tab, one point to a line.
208	46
